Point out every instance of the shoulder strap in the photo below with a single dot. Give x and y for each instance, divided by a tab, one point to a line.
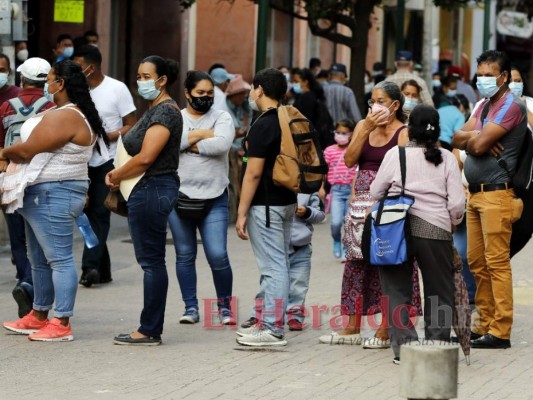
402	166
18	106
485	112
39	104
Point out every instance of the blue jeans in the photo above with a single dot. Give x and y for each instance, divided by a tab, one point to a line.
148	211
214	233
340	200
459	241
17	240
49	210
271	249
299	273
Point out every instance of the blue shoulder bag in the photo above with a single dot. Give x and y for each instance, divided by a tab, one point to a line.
386	235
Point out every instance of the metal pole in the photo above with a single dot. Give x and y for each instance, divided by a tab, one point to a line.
486	26
427	53
400	18
262	21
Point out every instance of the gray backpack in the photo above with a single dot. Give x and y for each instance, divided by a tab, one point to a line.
23	113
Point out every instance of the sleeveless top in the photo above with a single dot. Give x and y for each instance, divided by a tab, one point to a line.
372	157
66	163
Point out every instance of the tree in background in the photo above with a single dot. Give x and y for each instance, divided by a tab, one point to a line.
325	17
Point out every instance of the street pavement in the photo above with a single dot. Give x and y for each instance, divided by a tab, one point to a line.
203	362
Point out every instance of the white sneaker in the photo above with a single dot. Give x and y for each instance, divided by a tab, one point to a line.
261	338
247	331
335	338
376	343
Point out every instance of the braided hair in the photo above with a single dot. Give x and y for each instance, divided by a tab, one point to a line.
78	93
424	129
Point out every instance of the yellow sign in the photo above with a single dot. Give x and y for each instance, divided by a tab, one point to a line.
69	11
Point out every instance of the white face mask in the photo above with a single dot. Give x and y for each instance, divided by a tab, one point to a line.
252	103
517	88
22	55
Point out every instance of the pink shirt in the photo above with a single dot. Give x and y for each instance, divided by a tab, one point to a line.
438	190
338	172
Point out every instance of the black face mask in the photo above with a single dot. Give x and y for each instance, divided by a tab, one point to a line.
202	104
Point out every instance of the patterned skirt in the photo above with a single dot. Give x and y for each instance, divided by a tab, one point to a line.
361	287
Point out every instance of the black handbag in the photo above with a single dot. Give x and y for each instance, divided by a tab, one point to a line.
195	209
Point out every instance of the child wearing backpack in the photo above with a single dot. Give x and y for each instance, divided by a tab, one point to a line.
340	178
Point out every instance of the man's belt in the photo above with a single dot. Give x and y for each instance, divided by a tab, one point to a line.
489	187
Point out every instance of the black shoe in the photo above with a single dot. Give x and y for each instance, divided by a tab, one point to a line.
89	277
23	300
106	279
396	360
249	323
489	341
126	339
473	336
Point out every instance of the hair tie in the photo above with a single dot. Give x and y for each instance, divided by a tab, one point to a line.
430	127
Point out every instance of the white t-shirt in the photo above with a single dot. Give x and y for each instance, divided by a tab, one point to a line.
220	100
113	102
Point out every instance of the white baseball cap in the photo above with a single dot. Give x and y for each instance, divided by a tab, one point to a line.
35	68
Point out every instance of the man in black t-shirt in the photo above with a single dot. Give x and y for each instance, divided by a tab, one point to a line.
265	214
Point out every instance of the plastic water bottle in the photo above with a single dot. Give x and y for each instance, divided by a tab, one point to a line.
87	231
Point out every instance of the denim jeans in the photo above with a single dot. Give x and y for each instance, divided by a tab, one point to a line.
459	240
299	273
340	200
148	211
17	240
271	249
214	233
99	216
49	211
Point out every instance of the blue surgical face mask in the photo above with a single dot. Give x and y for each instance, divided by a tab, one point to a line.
287	76
410	104
3	79
436	83
68	52
487	85
297	88
517	88
451	93
147	89
48	95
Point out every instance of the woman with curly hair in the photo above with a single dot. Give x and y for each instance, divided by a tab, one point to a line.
58	144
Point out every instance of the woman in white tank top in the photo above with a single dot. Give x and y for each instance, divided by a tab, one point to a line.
55	196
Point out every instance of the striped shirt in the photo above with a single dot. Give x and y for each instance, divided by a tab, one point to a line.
338	172
399	77
341	103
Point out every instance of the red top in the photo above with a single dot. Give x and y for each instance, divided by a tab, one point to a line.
371	157
27	96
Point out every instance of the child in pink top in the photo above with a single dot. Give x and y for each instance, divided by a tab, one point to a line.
340	178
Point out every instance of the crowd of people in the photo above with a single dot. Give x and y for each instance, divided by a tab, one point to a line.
202	166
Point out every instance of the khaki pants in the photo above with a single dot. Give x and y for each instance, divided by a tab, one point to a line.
488	219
